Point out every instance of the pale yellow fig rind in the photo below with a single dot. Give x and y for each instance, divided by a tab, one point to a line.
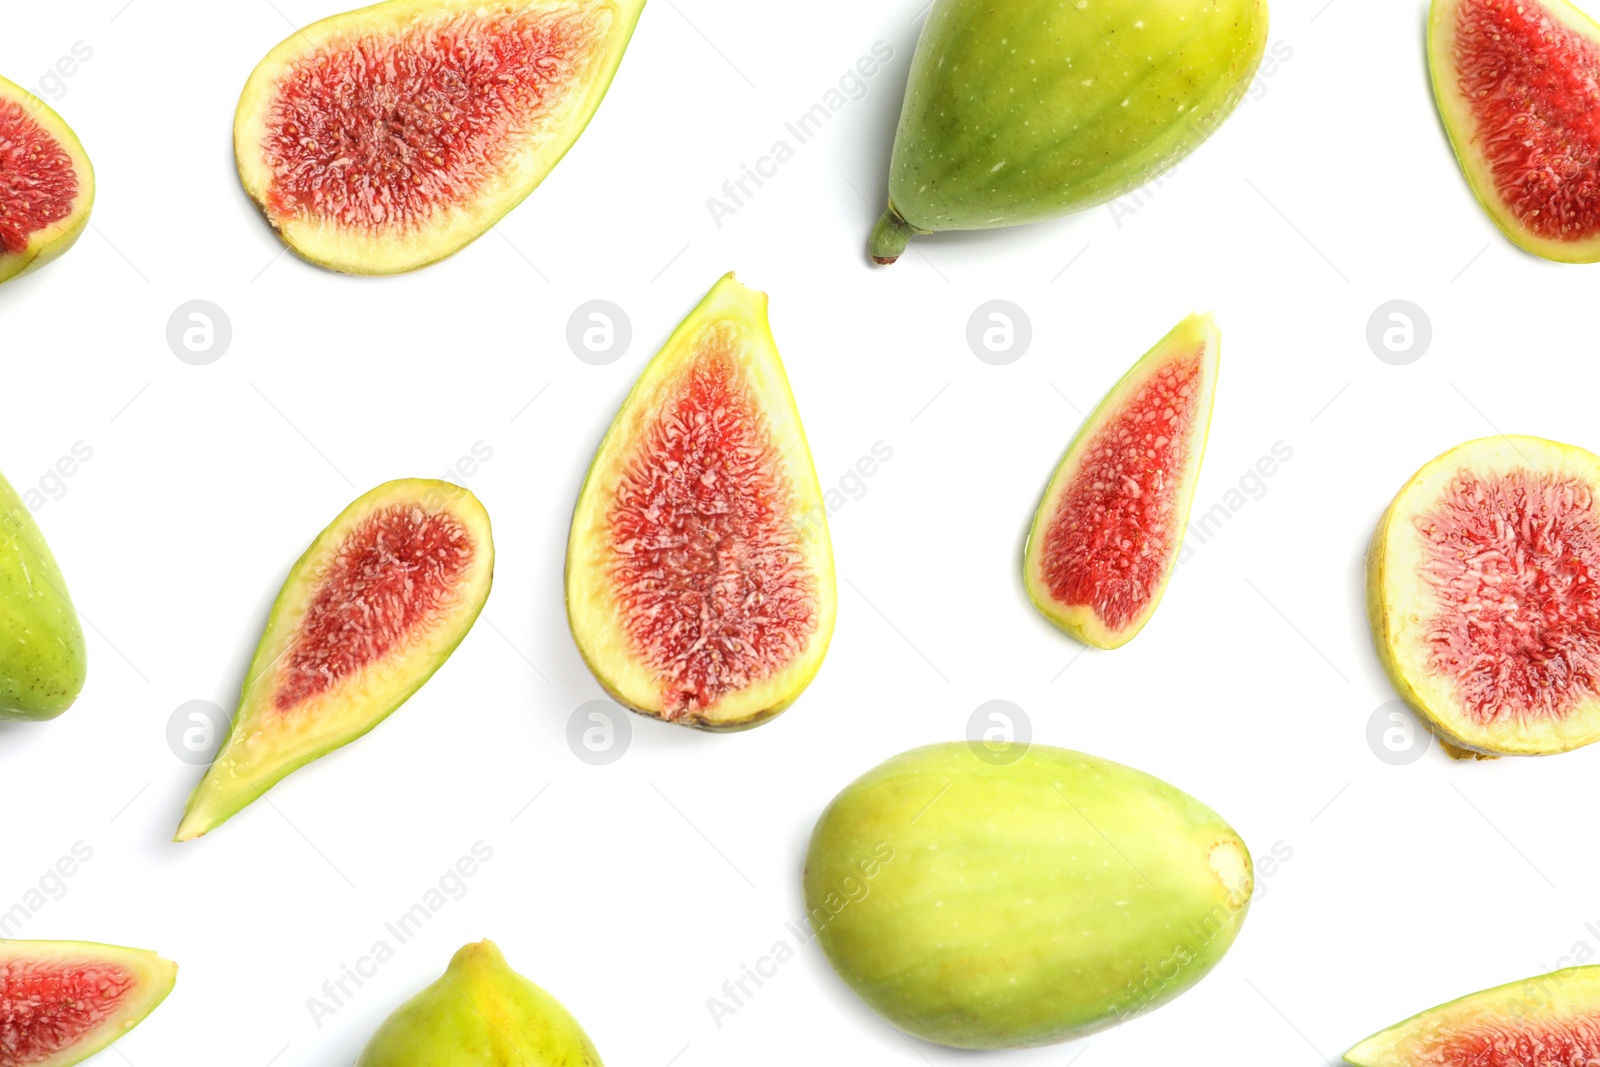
49	243
1398	606
1080	621
1459	122
596	618
452	227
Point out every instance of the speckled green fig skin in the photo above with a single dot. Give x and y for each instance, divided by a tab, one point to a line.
1022	110
480	1014
43	660
1025	898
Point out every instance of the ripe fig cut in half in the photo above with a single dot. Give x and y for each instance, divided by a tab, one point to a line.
63	1001
385	139
1518	87
700	583
46	183
1549	1021
1023	110
1483	590
43	660
1107	533
369	612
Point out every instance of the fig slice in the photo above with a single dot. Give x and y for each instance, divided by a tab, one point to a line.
700	585
1481	591
46	183
1518	86
1106	536
371	610
43	660
1550	1020
63	1001
384	139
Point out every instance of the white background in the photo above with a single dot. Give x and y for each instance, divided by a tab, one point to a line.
633	891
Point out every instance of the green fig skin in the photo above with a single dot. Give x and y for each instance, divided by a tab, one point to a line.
43	661
1022	110
1009	896
480	1014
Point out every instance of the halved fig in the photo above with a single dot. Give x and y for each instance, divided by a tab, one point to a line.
63	1001
1481	590
1518	87
46	183
1107	533
700	583
369	612
1549	1021
385	139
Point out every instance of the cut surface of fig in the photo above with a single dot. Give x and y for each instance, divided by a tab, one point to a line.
384	139
63	1001
1549	1020
1481	588
1107	533
699	569
1518	86
46	183
372	609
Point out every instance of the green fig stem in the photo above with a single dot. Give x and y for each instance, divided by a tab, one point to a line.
889	238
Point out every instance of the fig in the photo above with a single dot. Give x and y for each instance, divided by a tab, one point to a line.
1013	895
700	585
43	661
1106	536
63	1001
480	1014
1022	110
385	139
1481	591
46	183
371	610
1516	84
1550	1020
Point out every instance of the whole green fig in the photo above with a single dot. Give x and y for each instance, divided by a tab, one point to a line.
1021	110
480	1014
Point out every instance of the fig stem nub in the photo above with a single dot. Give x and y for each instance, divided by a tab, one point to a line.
889	238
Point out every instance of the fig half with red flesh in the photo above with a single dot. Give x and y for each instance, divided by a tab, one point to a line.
46	183
1549	1021
700	585
1106	536
385	139
1518	87
63	1001
1483	597
371	610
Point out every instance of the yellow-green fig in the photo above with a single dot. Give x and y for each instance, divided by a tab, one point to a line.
480	1014
43	661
